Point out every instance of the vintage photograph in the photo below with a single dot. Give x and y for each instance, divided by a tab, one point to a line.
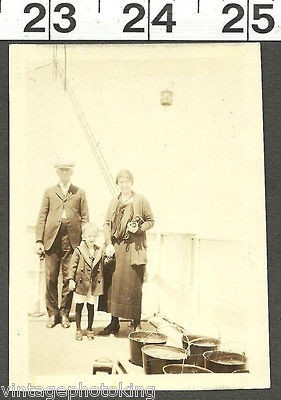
138	230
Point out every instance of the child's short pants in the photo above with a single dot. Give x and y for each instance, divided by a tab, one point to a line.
81	298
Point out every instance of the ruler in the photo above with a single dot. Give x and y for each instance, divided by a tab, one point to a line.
141	20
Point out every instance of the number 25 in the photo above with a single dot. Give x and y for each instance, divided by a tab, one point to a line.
258	15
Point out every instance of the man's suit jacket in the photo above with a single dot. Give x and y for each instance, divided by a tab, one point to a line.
50	215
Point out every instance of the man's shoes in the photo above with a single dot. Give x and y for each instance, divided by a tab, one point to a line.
109	329
51	322
90	334
79	335
65	321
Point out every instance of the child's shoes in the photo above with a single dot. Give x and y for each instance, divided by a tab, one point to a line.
79	335
90	334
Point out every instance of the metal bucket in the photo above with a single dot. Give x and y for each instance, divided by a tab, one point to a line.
198	344
140	339
184	369
196	359
155	357
224	361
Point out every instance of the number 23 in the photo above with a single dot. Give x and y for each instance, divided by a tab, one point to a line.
41	14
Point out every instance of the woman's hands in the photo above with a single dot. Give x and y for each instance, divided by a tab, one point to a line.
109	250
136	225
133	226
71	284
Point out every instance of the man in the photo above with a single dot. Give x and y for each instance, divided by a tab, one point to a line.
63	211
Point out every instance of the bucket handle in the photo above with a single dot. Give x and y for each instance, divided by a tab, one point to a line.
150	334
187	354
190	342
198	339
207	354
180	329
184	331
242	350
156	330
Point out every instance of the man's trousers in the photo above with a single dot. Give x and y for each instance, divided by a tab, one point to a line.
58	256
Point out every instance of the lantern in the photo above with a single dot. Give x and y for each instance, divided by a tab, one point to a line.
166	97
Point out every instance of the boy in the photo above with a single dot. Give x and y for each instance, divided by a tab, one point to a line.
86	277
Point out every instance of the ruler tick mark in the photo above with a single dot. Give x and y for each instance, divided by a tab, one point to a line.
248	17
148	20
49	33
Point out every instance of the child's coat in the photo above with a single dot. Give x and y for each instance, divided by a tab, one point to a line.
86	271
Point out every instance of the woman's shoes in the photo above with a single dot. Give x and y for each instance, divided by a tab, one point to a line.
137	324
138	328
109	329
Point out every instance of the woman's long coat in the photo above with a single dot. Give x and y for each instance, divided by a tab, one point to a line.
124	277
138	244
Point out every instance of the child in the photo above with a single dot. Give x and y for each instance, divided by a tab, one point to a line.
86	277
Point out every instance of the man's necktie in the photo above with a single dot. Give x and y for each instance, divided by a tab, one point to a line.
64	190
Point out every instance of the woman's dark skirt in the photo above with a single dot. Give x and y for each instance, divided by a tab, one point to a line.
123	285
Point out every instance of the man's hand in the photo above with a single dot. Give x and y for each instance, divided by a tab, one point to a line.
71	284
109	250
39	249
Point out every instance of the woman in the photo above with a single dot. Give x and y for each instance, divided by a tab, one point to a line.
128	217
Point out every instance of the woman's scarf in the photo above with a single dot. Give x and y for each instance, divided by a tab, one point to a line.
122	215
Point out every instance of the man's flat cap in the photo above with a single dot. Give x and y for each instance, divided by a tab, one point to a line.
64	165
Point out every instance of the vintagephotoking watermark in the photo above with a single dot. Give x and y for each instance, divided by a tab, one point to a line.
80	391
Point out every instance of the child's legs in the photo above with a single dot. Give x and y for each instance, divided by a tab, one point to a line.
78	315
91	300
79	299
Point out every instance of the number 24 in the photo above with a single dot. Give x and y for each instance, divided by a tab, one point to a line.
167	9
